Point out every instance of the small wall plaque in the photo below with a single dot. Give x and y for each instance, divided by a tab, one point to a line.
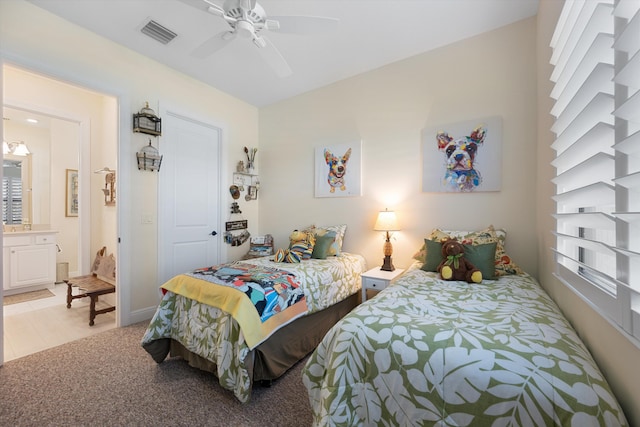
236	225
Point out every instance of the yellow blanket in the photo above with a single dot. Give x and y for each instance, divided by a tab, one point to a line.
237	304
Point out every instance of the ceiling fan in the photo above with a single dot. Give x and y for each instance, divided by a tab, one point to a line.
247	19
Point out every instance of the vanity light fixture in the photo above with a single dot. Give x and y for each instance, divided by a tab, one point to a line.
109	189
17	148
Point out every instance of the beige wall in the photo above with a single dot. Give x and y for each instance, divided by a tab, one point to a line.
615	354
65	141
68	52
492	74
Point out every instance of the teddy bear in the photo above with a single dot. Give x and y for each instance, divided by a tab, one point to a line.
455	266
300	247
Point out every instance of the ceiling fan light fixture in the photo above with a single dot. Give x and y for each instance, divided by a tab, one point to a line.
245	29
248	19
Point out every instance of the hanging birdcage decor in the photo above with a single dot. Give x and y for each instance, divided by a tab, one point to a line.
147	122
149	158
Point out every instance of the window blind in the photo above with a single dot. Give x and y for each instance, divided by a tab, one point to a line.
12	200
12	192
596	79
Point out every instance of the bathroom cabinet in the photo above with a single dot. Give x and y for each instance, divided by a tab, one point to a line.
29	261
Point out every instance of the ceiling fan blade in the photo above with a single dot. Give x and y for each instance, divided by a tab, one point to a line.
272	56
214	44
214	8
305	24
247	4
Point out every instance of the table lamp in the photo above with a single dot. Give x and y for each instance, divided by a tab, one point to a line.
387	222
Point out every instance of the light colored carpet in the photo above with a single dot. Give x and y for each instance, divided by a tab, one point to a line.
27	296
109	380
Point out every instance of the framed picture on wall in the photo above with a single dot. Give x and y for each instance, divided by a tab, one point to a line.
338	170
463	157
71	205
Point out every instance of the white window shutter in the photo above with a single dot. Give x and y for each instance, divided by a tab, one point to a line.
596	58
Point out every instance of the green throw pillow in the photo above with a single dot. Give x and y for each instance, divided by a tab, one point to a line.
433	256
483	257
323	243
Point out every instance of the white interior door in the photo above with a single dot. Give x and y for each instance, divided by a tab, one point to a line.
189	196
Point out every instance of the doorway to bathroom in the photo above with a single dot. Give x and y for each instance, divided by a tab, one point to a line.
75	136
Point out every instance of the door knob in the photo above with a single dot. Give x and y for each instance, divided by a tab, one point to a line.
214	233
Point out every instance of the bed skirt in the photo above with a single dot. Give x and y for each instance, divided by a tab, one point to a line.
276	355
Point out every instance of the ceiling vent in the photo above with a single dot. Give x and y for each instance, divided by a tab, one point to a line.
158	32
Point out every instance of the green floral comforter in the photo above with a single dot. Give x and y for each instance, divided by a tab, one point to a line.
429	352
216	336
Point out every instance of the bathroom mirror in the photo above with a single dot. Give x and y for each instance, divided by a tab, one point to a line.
31	173
16	190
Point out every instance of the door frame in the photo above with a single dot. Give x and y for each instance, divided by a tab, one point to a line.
123	188
163	200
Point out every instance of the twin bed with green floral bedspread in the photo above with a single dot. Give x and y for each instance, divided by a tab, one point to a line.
193	321
431	352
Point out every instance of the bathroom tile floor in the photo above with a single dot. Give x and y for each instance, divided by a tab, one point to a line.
33	326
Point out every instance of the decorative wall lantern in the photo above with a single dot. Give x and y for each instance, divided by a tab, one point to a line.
148	158
147	122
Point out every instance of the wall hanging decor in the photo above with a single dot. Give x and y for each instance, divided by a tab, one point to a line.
251	158
147	122
109	189
463	157
72	193
338	170
149	159
246	177
236	228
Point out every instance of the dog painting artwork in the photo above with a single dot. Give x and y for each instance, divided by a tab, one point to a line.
461	173
338	170
463	157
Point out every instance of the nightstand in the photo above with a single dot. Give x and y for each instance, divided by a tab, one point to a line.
377	279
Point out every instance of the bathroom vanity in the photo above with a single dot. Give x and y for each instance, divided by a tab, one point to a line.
29	260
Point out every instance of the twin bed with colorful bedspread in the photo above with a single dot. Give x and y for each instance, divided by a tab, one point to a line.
252	320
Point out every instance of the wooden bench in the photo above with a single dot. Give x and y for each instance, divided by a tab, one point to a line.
93	286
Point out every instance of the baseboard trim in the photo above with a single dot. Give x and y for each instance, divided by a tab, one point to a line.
141	315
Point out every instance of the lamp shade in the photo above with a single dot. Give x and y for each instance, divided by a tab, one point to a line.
386	221
17	148
21	150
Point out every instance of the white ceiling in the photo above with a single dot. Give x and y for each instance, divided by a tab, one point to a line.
370	34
